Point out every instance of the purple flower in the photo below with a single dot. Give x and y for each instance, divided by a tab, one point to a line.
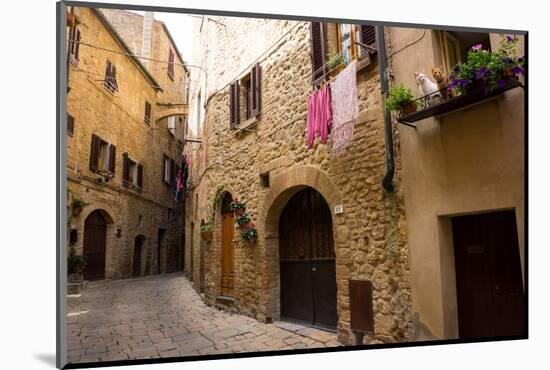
456	68
509	38
517	70
482	72
476	47
501	83
507	60
463	82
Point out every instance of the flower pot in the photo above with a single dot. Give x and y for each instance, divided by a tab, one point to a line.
75	277
71	19
206	235
408	108
239	211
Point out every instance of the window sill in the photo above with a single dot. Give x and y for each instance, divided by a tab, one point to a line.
455	104
247	125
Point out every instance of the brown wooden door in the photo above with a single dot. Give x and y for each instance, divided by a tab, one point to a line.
137	256
488	275
307	261
228	268
95	240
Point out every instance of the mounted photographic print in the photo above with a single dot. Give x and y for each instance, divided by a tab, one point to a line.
249	185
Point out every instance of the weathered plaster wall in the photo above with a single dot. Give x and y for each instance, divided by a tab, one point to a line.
465	162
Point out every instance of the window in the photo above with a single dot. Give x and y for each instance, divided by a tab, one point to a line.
349	34
251	95
168	173
74	44
454	46
132	172
198	114
110	82
345	36
172	125
171	64
102	156
70	125
147	115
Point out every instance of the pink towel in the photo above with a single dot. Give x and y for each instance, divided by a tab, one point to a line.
319	116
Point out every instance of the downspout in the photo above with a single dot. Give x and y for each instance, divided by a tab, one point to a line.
387	181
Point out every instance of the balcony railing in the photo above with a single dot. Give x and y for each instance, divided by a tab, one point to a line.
428	106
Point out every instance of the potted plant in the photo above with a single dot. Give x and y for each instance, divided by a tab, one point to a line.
336	62
400	99
487	70
249	233
75	266
238	207
206	232
77	205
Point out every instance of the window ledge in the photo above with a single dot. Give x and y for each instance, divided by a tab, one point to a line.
247	125
455	104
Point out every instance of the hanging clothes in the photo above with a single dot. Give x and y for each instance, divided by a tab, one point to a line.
319	116
345	109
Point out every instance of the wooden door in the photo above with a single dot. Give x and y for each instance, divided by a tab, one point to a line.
307	261
136	268
488	275
95	240
228	268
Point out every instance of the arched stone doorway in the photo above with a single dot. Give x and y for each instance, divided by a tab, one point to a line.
228	252
139	243
283	188
307	261
95	244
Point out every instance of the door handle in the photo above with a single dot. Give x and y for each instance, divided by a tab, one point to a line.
314	269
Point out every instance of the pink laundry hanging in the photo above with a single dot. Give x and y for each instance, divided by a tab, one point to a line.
345	108
319	116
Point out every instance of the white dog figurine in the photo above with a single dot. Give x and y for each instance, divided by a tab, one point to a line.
427	87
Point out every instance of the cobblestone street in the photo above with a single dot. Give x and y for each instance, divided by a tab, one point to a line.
162	316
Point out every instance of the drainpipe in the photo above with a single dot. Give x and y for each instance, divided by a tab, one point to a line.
387	181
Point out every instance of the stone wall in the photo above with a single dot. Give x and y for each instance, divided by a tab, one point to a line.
118	118
370	236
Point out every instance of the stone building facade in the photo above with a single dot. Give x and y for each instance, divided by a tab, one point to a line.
123	149
264	162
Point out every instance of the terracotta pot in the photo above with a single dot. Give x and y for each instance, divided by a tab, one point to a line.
408	108
206	235
71	18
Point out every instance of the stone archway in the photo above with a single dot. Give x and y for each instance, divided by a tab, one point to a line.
283	187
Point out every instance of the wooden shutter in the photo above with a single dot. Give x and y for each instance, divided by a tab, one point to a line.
368	37
113	75
171	64
112	158
77	44
94	153
256	86
172	170
125	169
163	172
140	175
107	80
318	51
147	116
234	111
70	125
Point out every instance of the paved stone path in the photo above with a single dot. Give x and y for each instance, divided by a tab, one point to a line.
163	316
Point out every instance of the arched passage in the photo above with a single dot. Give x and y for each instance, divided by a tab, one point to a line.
95	244
139	243
307	260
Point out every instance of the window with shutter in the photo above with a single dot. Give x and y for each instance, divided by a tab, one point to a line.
171	64
74	44
125	170
256	90
112	159
70	125
110	82
368	36
349	34
94	153
172	125
140	176
147	115
234	107
172	170
318	51
167	169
